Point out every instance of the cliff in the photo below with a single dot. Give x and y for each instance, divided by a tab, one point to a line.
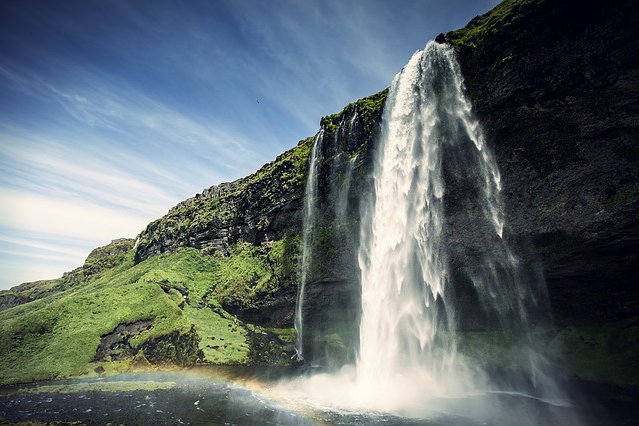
555	85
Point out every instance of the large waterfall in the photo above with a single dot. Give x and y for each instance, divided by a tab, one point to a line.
411	313
408	310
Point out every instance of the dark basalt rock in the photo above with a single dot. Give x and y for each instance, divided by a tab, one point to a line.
173	349
556	88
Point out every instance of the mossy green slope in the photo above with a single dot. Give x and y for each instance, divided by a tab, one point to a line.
57	336
188	295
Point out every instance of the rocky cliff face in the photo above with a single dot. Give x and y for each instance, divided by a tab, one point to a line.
555	84
265	209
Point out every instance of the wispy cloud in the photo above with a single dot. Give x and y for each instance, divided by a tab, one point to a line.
67	217
69	253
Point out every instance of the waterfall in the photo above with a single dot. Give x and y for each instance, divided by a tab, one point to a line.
342	201
308	226
434	217
409	309
401	258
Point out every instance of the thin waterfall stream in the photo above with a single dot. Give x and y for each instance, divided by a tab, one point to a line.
310	204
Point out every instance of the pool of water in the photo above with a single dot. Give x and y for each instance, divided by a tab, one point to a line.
186	398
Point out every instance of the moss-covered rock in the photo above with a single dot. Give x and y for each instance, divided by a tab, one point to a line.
602	352
176	348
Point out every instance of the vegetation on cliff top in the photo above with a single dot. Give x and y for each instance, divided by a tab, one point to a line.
488	24
368	110
99	260
230	203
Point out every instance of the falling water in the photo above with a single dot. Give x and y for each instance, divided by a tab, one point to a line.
342	202
409	351
310	205
409	310
404	276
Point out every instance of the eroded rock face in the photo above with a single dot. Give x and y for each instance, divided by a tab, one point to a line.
115	345
107	257
173	349
556	87
261	207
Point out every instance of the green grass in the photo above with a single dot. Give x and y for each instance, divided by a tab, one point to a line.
287	335
369	110
107	257
57	336
471	35
251	273
223	339
119	386
101	261
602	352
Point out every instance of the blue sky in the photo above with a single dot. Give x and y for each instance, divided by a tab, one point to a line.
111	112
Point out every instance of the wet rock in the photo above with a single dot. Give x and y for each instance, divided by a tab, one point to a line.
115	345
558	103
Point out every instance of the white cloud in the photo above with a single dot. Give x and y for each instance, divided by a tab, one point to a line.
32	255
67	218
61	251
17	269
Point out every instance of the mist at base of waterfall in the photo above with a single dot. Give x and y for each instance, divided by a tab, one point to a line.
414	399
284	396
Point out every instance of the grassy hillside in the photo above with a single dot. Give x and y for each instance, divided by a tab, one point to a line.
164	310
